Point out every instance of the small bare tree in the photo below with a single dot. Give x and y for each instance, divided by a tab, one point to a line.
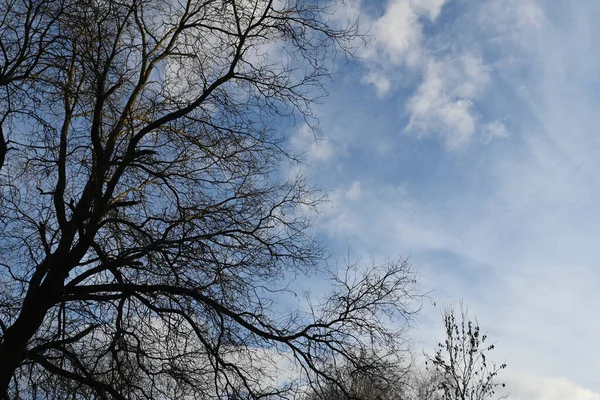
460	367
145	227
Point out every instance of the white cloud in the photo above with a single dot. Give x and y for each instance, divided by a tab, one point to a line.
494	129
524	386
443	103
380	81
398	33
354	191
398	37
315	149
431	8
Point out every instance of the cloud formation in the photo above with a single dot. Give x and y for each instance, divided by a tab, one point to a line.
443	102
451	79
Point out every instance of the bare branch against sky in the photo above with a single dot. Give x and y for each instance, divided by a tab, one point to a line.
148	234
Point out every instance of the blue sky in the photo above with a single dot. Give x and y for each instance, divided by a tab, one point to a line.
467	136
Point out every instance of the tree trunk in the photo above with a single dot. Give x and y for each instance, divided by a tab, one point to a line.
13	349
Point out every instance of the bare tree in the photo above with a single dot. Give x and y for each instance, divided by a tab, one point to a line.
25	39
424	384
460	367
146	229
370	377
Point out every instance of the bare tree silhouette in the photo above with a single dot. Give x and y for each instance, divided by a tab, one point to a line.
146	228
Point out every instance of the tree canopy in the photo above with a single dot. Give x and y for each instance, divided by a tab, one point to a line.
145	225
